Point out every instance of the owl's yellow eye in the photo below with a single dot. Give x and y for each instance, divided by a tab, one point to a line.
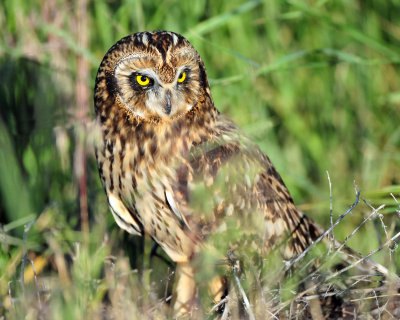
182	77
142	80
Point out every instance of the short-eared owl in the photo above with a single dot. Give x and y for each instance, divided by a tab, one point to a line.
176	169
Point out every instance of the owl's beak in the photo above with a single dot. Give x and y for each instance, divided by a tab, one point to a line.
167	106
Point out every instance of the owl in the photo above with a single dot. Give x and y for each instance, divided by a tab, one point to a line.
174	168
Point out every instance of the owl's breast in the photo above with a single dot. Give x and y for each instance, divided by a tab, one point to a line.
155	202
138	174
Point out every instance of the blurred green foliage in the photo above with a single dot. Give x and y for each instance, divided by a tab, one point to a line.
314	82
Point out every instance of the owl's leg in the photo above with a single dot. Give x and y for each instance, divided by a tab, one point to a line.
217	288
185	291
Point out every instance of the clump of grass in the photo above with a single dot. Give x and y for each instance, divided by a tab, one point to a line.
95	280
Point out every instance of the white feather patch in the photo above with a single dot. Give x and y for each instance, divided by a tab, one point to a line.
122	216
174	39
174	207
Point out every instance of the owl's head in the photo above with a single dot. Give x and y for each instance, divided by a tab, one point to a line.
154	75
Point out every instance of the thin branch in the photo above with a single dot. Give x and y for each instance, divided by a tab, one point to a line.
359	226
386	244
36	283
245	300
339	248
25	255
217	305
301	256
394	198
379	296
332	236
380	218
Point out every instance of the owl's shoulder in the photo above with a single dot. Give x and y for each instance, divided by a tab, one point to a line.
224	144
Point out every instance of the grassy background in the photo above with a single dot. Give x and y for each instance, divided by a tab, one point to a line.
315	83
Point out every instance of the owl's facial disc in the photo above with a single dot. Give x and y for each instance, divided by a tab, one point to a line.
151	90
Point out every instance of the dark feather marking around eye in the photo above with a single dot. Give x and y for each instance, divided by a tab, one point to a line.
135	85
187	78
111	83
203	75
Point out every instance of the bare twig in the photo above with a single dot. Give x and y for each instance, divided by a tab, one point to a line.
245	300
386	244
25	254
168	279
382	269
217	305
235	267
272	315
341	246
377	296
380	218
24	260
332	236
394	198
301	256
36	284
359	226
377	303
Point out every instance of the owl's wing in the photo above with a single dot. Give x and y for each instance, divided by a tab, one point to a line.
227	180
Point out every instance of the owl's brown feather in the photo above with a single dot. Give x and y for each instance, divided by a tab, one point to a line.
173	167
